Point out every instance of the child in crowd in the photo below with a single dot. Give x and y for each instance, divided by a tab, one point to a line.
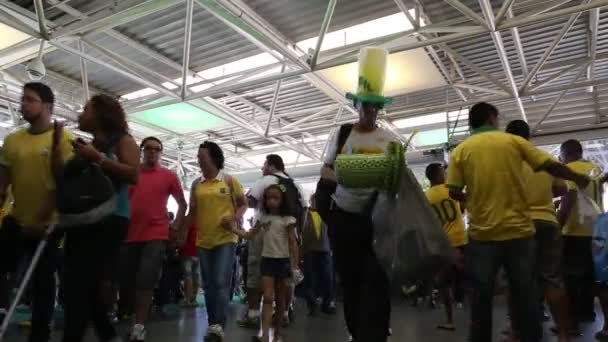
279	255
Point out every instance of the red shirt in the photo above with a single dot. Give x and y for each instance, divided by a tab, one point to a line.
148	200
189	249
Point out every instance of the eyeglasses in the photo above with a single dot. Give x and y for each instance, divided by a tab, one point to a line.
152	149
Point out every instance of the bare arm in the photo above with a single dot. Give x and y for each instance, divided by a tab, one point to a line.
562	171
182	205
457	194
293	246
241	207
189	219
248	235
126	168
565	207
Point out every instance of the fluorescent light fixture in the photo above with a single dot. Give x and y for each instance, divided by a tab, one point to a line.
418	121
10	36
369	30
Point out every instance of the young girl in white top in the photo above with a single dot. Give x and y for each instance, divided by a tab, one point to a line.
279	255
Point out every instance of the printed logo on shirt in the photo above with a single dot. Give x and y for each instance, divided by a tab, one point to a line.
223	191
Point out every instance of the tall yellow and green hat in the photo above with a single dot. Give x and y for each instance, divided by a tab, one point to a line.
372	75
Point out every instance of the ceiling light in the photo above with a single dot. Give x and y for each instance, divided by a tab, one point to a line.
36	69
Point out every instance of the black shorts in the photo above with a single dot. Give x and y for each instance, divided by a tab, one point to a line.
278	268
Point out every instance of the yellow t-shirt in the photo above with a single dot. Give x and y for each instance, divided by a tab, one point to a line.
489	165
540	194
593	190
214	200
28	159
449	213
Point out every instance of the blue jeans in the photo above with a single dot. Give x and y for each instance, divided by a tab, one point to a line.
518	257
319	277
216	270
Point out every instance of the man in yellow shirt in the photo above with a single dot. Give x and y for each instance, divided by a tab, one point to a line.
578	260
542	188
501	234
450	215
25	165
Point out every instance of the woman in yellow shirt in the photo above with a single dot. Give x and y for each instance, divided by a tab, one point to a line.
217	203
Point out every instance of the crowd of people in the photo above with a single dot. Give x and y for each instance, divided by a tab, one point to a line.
124	258
317	246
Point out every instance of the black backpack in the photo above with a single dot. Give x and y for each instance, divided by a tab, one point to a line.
294	198
85	194
326	188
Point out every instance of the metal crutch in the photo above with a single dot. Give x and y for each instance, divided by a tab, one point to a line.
26	278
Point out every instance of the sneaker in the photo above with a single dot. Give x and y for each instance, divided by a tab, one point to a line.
330	309
249	322
215	333
138	333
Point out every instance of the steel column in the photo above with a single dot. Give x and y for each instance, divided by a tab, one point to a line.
187	40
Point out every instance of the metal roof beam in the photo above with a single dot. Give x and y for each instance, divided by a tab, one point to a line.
39	7
594	19
482	89
486	8
127	74
558	74
122	13
273	105
331	6
504	9
469	13
527	20
84	74
557	100
518	46
187	40
239	16
549	50
126	63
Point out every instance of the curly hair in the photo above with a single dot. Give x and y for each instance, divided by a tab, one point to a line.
215	152
110	114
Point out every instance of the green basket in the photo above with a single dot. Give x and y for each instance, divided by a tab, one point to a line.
379	171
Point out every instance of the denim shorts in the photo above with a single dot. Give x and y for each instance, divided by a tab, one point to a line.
278	268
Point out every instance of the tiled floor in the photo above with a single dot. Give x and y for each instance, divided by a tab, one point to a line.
408	324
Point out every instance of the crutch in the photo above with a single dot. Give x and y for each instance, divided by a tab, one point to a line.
26	278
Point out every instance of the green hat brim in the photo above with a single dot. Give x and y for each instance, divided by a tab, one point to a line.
369	98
